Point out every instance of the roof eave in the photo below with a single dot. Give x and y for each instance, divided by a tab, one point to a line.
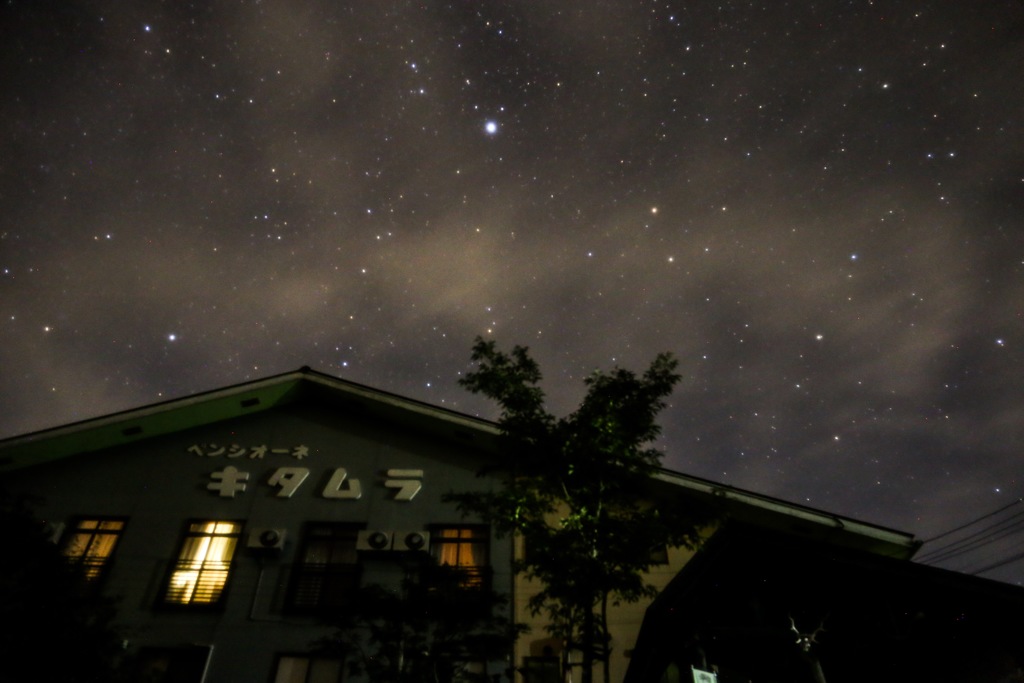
874	538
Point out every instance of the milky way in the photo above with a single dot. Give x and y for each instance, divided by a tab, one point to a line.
816	206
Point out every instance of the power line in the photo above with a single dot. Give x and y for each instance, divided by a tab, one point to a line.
983	537
999	563
973	521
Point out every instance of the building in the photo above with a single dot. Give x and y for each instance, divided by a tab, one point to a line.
230	524
763	605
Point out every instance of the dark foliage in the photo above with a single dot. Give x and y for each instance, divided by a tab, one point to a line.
53	630
433	628
575	489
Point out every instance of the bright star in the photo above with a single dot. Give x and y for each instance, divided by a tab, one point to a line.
491	127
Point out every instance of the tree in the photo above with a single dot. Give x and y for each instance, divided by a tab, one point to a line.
430	629
45	610
574	488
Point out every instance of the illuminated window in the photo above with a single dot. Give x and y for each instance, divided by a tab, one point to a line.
306	669
89	548
465	547
200	573
326	572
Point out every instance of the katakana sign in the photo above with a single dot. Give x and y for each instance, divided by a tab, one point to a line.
234	451
230	481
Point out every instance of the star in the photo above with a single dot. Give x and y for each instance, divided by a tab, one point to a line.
491	127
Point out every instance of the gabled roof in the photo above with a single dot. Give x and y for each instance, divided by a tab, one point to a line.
249	398
306	384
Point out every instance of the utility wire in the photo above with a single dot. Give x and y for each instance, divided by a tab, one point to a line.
976	546
1010	553
1000	563
980	538
973	521
975	542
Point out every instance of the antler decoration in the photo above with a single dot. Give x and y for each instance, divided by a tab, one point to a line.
805	640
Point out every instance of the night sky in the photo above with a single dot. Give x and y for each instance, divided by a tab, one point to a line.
816	205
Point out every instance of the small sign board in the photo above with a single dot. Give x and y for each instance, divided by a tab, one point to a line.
703	676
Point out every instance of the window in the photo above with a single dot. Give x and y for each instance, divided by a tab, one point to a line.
326	572
465	547
200	573
546	669
89	548
171	664
306	669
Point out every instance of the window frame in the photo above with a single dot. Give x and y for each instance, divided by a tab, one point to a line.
310	660
541	668
478	576
313	587
91	570
182	565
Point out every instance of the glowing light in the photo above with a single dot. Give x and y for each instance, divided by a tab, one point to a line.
491	127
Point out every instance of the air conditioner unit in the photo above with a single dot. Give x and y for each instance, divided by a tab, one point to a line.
373	540
266	539
412	541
